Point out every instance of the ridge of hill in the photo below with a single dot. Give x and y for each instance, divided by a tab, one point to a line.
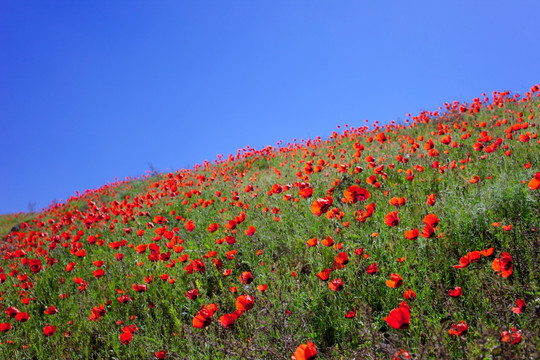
408	240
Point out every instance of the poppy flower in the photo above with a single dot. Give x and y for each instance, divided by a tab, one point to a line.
250	231
312	242
430	200
324	275
401	354
351	314
246	278
51	310
244	303
399	318
5	327
534	184
427	232
305	352
139	287
12	311
192	294
391	219
409	294
49	330
507	227
190	225
321	205
160	354
203	317
411	234
395	281
503	265
431	220
458	329
463	262
328	241
22	317
228	320
513	336
262	287
456	292
372	269
354	193
520	305
336	285
125	337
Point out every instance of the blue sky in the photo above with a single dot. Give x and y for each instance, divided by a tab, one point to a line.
97	90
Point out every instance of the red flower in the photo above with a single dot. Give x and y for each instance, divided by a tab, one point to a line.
244	303
411	234
228	320
192	294
336	284
391	219
513	336
427	232
22	317
49	330
372	269
463	262
139	287
395	281
534	184
324	275
246	278
457	292
250	231
520	305
503	265
204	316
399	318
5	327
160	354
354	193
305	352
458	329
126	337
430	199
431	220
409	295
320	206
12	311
51	310
190	225
351	314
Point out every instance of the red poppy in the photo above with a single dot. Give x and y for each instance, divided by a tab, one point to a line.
372	269
395	281
324	275
534	184
354	193
228	320
312	242
503	265
250	231
262	287
51	310
391	219
126	337
204	316
411	234
463	262
458	329
305	352
244	303
192	294
22	317
456	292
322	205
399	318
409	294
139	287
430	200
513	336
427	232
246	278
12	311
5	327
520	306
351	314
336	285
49	330
190	225
431	220
160	354
328	241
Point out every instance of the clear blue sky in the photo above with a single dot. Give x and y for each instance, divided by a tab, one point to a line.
91	91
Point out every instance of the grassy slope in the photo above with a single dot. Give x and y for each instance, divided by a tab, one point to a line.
296	309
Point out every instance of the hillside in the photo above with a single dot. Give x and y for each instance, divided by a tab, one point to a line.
410	240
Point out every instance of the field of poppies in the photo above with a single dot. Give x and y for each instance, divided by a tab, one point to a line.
411	240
